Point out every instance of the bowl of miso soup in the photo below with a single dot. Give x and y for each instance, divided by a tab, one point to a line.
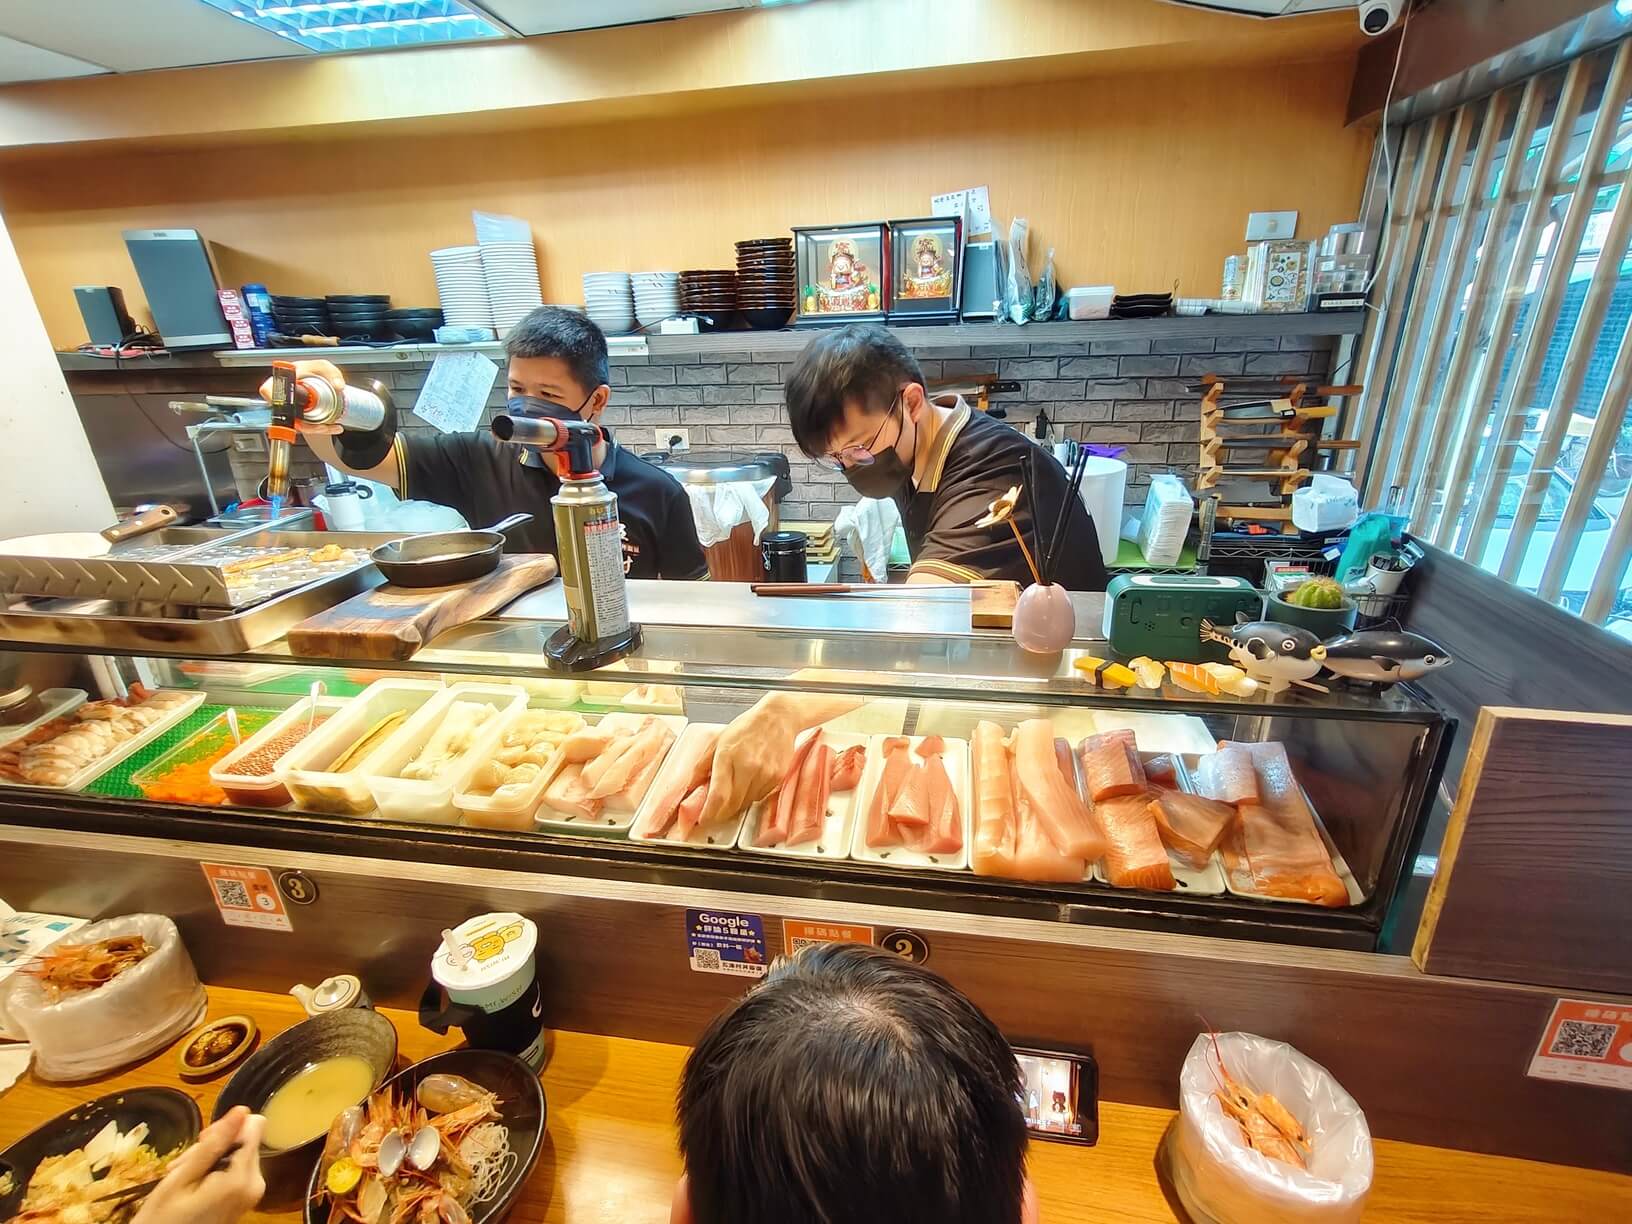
302	1080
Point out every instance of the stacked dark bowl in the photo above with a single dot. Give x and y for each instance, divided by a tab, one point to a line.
301	316
767	283
711	295
360	316
417	323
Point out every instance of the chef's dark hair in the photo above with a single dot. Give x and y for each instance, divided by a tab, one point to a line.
551	331
861	362
852	1087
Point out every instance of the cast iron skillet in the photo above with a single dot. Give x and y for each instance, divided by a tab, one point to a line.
442	558
172	1122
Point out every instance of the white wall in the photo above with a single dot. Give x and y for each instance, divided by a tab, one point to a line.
48	476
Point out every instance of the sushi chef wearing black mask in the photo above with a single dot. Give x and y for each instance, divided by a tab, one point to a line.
557	368
857	404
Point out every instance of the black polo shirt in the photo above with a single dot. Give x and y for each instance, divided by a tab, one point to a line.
486	480
974	460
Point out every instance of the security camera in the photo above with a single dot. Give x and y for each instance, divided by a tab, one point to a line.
1378	16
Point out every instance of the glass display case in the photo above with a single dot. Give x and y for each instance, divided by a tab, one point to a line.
843	273
954	775
926	257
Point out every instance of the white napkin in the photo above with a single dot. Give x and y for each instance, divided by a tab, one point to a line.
719	508
869	526
13	1062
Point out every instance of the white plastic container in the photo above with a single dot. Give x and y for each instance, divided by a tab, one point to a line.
313	786
515	812
1090	301
956	759
268	790
430	800
721	836
617	816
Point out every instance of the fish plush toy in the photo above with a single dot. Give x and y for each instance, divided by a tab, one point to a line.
1383	656
1274	654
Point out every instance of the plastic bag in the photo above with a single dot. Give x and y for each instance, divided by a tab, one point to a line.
1219	1178
1043	297
718	509
1017	281
1166	520
136	1014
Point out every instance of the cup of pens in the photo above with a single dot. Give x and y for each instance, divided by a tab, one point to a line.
1045	620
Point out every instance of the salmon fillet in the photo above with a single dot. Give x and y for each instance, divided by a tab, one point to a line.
1191	826
1228	775
1053	802
1161	771
1110	765
1275	843
1135	856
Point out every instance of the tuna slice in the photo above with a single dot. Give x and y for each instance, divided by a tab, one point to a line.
944	832
776	814
810	802
993	851
880	829
847	768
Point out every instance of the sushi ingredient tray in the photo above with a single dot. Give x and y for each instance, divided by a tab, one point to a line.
604	772
834	811
182	775
70	753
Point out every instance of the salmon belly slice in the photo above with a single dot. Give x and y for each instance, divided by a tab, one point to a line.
1276	841
1135	857
1110	766
1191	826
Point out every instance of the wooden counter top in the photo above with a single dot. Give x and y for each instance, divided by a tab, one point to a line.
609	1153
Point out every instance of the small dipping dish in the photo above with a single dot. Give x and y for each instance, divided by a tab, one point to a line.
215	1046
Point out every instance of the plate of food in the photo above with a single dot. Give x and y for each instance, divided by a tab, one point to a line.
454	1137
113	1142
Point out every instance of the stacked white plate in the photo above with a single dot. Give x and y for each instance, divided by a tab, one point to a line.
657	296
511	272
609	301
460	285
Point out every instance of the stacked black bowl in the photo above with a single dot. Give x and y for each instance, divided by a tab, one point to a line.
360	316
301	316
418	323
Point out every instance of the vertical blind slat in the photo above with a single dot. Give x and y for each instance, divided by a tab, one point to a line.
1606	580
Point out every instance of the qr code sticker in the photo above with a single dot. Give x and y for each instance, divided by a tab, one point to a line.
1580	1039
707	959
799	945
233	895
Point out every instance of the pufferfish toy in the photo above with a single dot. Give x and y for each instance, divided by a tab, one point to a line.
1275	655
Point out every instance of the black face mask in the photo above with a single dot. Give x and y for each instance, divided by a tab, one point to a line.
534	406
885	476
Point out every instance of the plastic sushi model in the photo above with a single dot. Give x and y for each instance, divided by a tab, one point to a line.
1275	655
1383	657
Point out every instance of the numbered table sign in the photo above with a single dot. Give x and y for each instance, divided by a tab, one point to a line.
247	896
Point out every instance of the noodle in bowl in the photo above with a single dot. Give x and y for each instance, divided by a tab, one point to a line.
487	1150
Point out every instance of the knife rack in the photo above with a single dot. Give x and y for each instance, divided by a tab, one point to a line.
1272	421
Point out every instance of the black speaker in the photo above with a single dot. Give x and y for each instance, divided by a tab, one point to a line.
179	280
107	322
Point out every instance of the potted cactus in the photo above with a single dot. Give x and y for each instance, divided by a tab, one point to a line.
1319	605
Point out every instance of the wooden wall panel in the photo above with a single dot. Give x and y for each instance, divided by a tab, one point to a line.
1142	180
1433	1060
1535	878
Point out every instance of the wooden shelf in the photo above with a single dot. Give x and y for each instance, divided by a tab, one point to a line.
788	340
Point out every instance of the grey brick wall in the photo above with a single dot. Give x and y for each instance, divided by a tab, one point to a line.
1128	393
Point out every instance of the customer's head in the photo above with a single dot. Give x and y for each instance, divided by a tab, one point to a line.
559	355
851	1087
856	388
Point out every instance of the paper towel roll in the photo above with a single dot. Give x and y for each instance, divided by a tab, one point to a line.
1104	482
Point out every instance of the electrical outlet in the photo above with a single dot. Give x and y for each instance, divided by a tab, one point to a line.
1262	225
672	438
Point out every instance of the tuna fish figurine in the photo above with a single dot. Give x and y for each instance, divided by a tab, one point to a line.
1383	657
1275	655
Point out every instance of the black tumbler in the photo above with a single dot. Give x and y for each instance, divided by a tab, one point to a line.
784	553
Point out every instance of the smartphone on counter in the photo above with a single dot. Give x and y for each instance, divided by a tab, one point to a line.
1059	1095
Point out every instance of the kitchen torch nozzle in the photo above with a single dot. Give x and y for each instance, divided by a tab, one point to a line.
575	439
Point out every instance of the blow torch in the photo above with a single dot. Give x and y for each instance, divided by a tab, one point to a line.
364	413
588	544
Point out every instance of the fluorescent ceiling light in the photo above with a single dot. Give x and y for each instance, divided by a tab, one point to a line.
359	25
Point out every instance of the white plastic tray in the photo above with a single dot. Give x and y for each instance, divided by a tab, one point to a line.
957	767
135	744
305	768
722	836
57	702
489	811
268	790
608	823
839	827
430	800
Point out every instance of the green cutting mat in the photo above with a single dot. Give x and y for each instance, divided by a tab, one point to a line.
115	784
300	683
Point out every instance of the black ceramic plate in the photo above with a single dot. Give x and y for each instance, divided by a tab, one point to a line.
172	1122
358	299
280	300
521	1104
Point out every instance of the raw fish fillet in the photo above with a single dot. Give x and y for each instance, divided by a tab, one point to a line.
587	745
1228	775
1052	802
645	772
897	762
994	848
1135	857
1191	826
1035	856
1110	766
810	801
909	810
689	768
569	795
1275	843
944	832
847	768
1162	773
690	811
776	816
614	767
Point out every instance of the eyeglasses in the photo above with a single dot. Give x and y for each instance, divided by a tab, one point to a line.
860	456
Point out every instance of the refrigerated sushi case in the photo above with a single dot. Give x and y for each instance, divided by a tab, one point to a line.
1368	764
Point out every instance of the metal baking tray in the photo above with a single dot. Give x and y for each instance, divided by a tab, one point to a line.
181	629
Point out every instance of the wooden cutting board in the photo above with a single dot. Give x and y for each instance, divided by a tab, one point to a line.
991	604
392	622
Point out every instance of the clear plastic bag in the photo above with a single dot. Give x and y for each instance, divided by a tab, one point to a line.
139	1012
1219	1178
